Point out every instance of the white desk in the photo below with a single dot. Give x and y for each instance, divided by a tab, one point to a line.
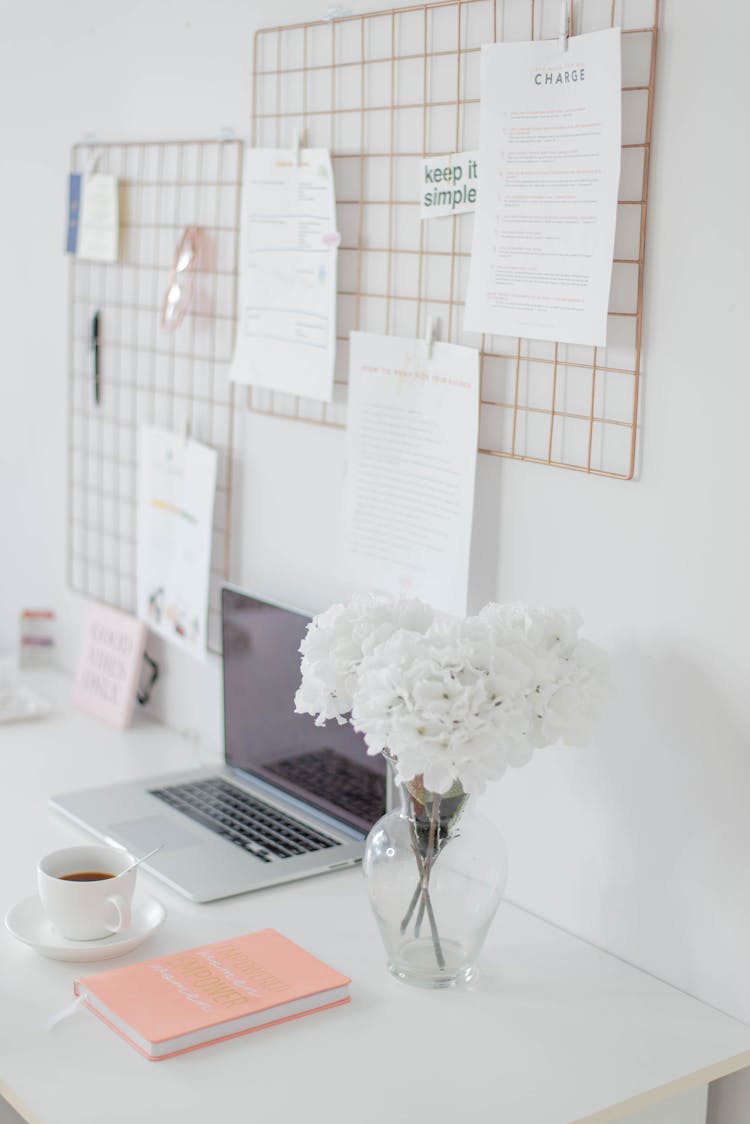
554	1032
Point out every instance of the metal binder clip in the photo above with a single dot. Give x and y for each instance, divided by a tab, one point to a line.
297	141
92	164
566	21
92	143
430	334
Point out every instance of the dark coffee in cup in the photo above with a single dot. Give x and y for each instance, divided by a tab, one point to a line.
86	891
86	876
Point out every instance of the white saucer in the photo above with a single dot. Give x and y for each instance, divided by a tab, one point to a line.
26	922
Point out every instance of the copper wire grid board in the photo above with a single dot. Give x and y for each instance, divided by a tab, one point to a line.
150	377
382	91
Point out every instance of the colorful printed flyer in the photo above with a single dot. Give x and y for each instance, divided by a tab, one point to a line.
176	485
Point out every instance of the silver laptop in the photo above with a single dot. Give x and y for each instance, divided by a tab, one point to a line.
292	799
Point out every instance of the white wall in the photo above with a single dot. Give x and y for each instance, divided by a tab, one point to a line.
640	844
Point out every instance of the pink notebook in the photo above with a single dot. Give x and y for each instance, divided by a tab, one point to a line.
180	1002
110	665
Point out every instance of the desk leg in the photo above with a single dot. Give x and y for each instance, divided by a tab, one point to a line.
9	1115
729	1099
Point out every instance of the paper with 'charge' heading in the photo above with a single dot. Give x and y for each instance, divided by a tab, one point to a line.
549	148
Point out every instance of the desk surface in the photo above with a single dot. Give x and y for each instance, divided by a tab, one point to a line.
554	1031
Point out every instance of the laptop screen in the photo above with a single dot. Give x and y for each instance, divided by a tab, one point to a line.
326	766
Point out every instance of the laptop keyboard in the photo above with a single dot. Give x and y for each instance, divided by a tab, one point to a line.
328	774
236	816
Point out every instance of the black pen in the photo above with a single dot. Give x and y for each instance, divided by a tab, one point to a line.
95	349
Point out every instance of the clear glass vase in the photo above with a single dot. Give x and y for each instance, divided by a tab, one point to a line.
435	871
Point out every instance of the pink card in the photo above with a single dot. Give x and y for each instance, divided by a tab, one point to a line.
110	664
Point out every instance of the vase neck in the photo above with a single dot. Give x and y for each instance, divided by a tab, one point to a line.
420	805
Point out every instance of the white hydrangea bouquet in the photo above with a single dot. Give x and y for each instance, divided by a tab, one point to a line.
451	702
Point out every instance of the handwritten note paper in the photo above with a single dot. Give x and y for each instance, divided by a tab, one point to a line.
176	483
411	461
286	332
544	232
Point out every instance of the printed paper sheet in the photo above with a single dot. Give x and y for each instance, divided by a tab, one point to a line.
411	461
549	151
286	324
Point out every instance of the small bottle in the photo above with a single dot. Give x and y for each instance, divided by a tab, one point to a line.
36	637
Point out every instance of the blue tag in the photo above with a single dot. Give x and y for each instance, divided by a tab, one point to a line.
74	207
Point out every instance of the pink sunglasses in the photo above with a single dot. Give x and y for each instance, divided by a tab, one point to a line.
179	294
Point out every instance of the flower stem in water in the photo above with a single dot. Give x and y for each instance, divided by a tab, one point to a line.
421	893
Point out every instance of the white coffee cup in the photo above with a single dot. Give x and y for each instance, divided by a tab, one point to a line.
86	910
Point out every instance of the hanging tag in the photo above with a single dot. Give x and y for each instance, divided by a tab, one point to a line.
99	222
450	185
74	204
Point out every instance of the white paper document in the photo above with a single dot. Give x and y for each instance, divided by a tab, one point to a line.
411	460
286	323
99	219
176	485
549	149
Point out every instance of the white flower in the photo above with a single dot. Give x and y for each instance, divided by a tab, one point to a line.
449	700
568	706
449	705
572	676
335	643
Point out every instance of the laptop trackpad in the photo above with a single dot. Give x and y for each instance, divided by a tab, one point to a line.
143	835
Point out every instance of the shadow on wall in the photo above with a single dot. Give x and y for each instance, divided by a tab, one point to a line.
691	801
641	843
484	560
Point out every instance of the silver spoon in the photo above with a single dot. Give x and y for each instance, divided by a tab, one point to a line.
142	859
